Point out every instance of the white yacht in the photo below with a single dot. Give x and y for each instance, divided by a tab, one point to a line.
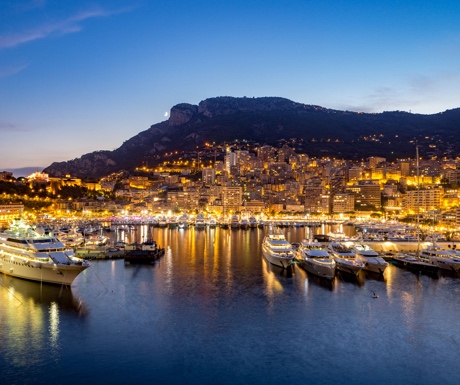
200	223
252	222
415	263
235	222
212	222
163	221
172	222
72	240
444	259
372	260
345	258
338	236
183	221
276	249
33	254
96	240
312	257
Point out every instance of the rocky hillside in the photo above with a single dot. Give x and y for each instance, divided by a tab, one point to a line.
267	120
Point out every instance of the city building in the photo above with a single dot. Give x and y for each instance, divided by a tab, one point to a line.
422	199
343	203
10	211
208	175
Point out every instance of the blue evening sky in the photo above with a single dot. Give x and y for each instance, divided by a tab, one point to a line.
80	76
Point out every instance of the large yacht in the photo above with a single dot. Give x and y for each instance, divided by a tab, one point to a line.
172	222
372	260
212	221
444	259
33	254
183	221
345	258
235	222
72	240
276	249
415	263
312	257
200	222
252	222
163	221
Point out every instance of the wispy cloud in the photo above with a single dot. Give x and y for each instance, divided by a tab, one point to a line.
11	70
62	27
421	93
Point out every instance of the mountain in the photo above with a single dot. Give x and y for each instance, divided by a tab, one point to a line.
266	120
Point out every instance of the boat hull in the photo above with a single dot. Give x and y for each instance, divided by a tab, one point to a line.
447	264
374	265
143	256
347	267
320	270
41	272
417	266
275	259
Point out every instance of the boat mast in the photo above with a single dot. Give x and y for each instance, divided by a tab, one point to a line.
418	197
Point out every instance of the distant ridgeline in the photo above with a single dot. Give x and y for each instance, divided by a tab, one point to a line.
269	120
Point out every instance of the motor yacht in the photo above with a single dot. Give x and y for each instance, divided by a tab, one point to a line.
31	253
162	221
345	258
444	259
172	222
252	222
276	249
212	222
183	221
235	222
415	263
72	240
315	259
372	260
200	222
338	236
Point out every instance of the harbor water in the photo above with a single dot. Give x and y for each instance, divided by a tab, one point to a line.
212	311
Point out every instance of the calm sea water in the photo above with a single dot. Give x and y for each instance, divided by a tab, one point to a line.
212	311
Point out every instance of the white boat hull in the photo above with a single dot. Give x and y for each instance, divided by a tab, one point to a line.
317	268
41	272
347	266
447	264
374	264
276	259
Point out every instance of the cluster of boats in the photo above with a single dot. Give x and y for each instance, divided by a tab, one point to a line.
324	259
201	221
38	255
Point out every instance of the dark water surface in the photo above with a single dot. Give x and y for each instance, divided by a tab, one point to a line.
212	311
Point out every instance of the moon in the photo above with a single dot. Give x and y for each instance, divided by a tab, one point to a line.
166	114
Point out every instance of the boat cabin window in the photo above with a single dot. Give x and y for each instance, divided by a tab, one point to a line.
46	240
14	240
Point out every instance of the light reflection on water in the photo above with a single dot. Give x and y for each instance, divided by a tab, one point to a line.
212	310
